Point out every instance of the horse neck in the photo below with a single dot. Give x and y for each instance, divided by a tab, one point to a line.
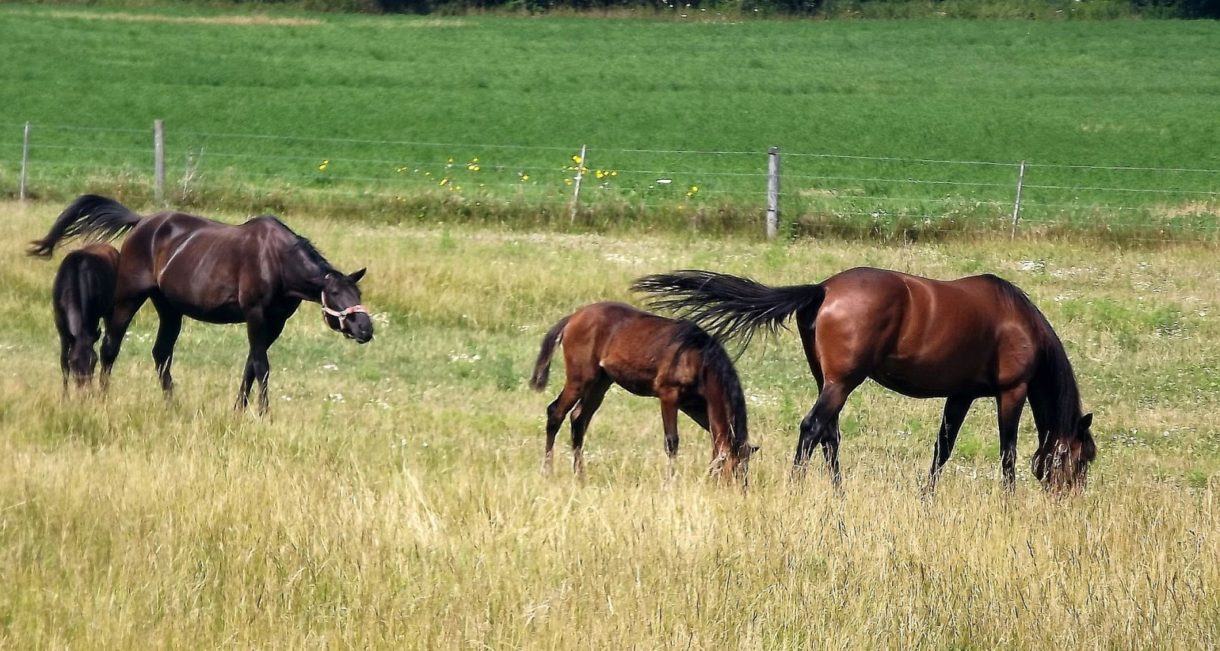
304	276
1054	396
725	398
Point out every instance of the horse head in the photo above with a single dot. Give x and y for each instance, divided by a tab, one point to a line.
1062	460
82	360
733	466
341	308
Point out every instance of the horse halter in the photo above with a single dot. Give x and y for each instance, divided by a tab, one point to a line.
341	315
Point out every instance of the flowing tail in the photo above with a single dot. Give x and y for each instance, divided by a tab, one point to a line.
542	367
89	216
729	306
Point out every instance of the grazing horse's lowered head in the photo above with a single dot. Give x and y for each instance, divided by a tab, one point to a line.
1062	460
341	308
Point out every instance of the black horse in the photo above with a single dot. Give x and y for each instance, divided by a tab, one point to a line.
255	273
80	298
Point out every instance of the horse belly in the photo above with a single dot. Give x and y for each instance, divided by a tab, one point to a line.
932	380
223	313
631	377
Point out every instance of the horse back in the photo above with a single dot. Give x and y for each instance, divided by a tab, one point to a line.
205	268
926	337
638	350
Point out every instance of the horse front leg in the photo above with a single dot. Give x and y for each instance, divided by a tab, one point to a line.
1008	407
669	421
950	425
261	333
258	366
697	410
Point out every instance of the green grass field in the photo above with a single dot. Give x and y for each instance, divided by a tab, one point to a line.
392	498
478	118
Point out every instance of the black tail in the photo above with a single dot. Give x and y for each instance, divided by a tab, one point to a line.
89	216
727	306
542	367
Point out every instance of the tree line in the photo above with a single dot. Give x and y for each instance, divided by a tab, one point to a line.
827	9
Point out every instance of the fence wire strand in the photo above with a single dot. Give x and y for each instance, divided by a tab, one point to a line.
705	177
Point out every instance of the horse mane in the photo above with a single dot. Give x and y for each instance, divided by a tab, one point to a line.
307	248
716	361
1052	390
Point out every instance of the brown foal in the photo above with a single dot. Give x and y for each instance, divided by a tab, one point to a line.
651	356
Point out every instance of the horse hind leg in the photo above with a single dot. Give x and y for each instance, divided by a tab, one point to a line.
821	426
163	348
555	413
590	401
64	326
65	350
116	328
82	360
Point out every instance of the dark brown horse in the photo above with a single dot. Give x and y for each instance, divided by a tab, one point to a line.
256	273
964	339
80	298
648	355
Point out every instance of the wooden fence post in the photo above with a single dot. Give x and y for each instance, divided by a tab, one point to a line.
1016	205
25	161
580	173
159	161
772	193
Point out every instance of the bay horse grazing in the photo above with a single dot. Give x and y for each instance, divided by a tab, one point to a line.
255	273
976	337
651	356
80	298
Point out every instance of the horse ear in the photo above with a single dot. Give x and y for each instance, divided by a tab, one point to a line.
1086	421
355	276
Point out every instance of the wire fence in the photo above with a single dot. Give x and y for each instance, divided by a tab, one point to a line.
817	192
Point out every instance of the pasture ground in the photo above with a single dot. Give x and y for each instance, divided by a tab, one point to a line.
889	128
392	498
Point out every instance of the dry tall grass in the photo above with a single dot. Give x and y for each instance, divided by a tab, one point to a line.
392	498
